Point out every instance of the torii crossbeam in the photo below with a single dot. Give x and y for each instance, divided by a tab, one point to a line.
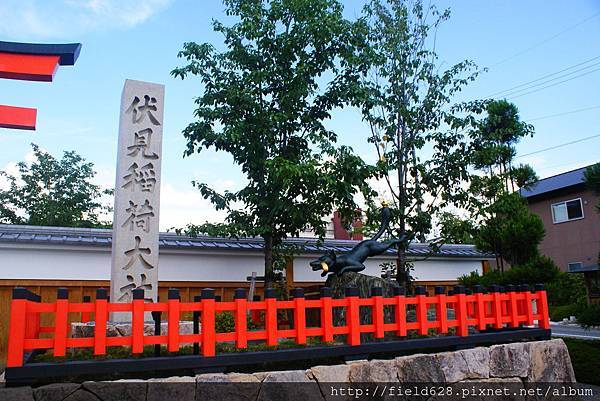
31	62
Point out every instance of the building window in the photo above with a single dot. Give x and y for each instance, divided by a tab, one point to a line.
567	211
575	266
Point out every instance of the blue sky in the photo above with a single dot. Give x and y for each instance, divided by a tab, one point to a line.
520	41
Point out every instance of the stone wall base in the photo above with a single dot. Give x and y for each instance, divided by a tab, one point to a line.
506	366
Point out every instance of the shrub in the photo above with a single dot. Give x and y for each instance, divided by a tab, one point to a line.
567	289
539	269
589	316
225	323
558	313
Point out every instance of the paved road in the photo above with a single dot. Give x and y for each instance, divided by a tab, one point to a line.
559	330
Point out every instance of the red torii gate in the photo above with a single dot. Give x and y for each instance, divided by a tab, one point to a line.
31	62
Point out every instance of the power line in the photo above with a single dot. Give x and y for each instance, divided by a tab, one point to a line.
549	75
554	84
538	44
563	114
558	146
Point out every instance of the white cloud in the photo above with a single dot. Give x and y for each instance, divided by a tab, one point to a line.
50	19
179	207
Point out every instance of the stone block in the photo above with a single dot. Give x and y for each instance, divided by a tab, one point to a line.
382	371
331	374
509	360
229	387
550	362
290	385
55	391
16	394
172	388
419	368
471	363
82	394
119	390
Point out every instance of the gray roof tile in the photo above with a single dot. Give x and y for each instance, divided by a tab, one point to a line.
103	238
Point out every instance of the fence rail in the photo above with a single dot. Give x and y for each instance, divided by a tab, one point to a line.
498	308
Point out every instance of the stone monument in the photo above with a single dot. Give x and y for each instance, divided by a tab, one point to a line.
137	193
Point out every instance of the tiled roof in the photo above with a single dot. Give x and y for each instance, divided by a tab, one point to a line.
102	237
556	182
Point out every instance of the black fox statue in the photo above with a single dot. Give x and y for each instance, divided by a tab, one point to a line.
353	261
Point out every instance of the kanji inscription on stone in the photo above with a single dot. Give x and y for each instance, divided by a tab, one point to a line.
137	194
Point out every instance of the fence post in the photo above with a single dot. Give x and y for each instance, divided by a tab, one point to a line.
208	321
85	316
542	307
255	313
241	316
440	309
400	311
156	318
479	307
461	311
512	306
17	327
528	304
299	315
100	318
496	307
61	321
137	321
271	316
196	326
32	320
326	314
377	295
421	309
173	320
352	315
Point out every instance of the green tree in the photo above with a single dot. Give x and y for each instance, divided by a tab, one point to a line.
592	180
511	230
416	125
265	99
51	192
507	228
456	230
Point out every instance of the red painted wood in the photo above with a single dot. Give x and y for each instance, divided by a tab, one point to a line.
480	305
137	326
353	321
422	314
461	315
208	327
101	316
327	319
271	321
28	67
173	325
542	309
441	313
378	316
300	320
16	333
241	329
17	117
60	327
401	315
24	327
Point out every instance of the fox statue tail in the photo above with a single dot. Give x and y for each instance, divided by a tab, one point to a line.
386	215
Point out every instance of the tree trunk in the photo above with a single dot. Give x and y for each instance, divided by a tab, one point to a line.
269	274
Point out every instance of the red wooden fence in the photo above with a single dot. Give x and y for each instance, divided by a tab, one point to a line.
494	309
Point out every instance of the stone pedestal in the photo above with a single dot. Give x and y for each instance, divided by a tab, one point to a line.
117	329
364	283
